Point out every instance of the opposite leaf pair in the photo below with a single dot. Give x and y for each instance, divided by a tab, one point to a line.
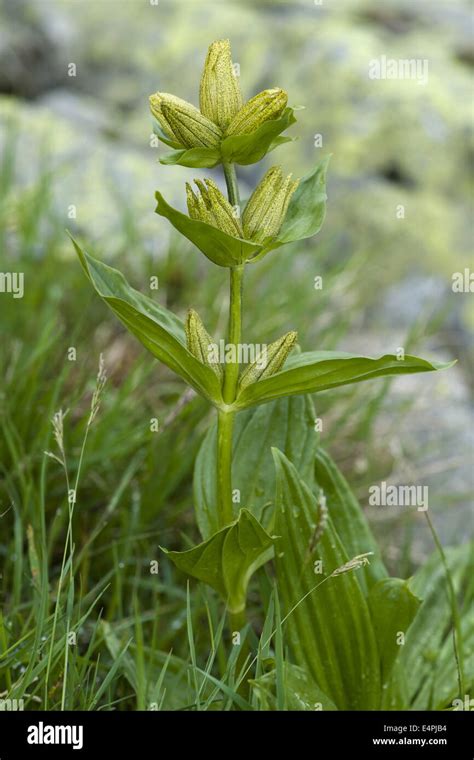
279	211
164	335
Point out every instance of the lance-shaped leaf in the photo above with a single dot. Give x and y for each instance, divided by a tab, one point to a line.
228	559
393	607
348	518
287	424
314	371
221	248
427	663
301	693
158	329
328	620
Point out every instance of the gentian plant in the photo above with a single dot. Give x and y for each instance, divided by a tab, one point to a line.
302	513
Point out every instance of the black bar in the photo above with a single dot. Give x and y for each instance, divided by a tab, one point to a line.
136	734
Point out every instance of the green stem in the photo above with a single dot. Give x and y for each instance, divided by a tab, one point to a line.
225	421
231	182
231	368
225	425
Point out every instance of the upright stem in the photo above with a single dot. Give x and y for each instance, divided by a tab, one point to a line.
231	368
225	421
231	182
225	425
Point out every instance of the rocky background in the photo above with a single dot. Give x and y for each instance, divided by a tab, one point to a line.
75	135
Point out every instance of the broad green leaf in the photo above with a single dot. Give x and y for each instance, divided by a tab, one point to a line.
427	660
314	371
250	148
221	248
228	559
287	424
307	208
393	607
329	624
348	519
300	692
160	331
445	687
196	158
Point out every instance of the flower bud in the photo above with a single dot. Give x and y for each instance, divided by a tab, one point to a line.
267	206
197	209
200	343
276	354
210	205
155	107
267	105
219	94
183	122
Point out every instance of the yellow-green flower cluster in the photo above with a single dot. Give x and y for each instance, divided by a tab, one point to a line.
263	215
221	111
